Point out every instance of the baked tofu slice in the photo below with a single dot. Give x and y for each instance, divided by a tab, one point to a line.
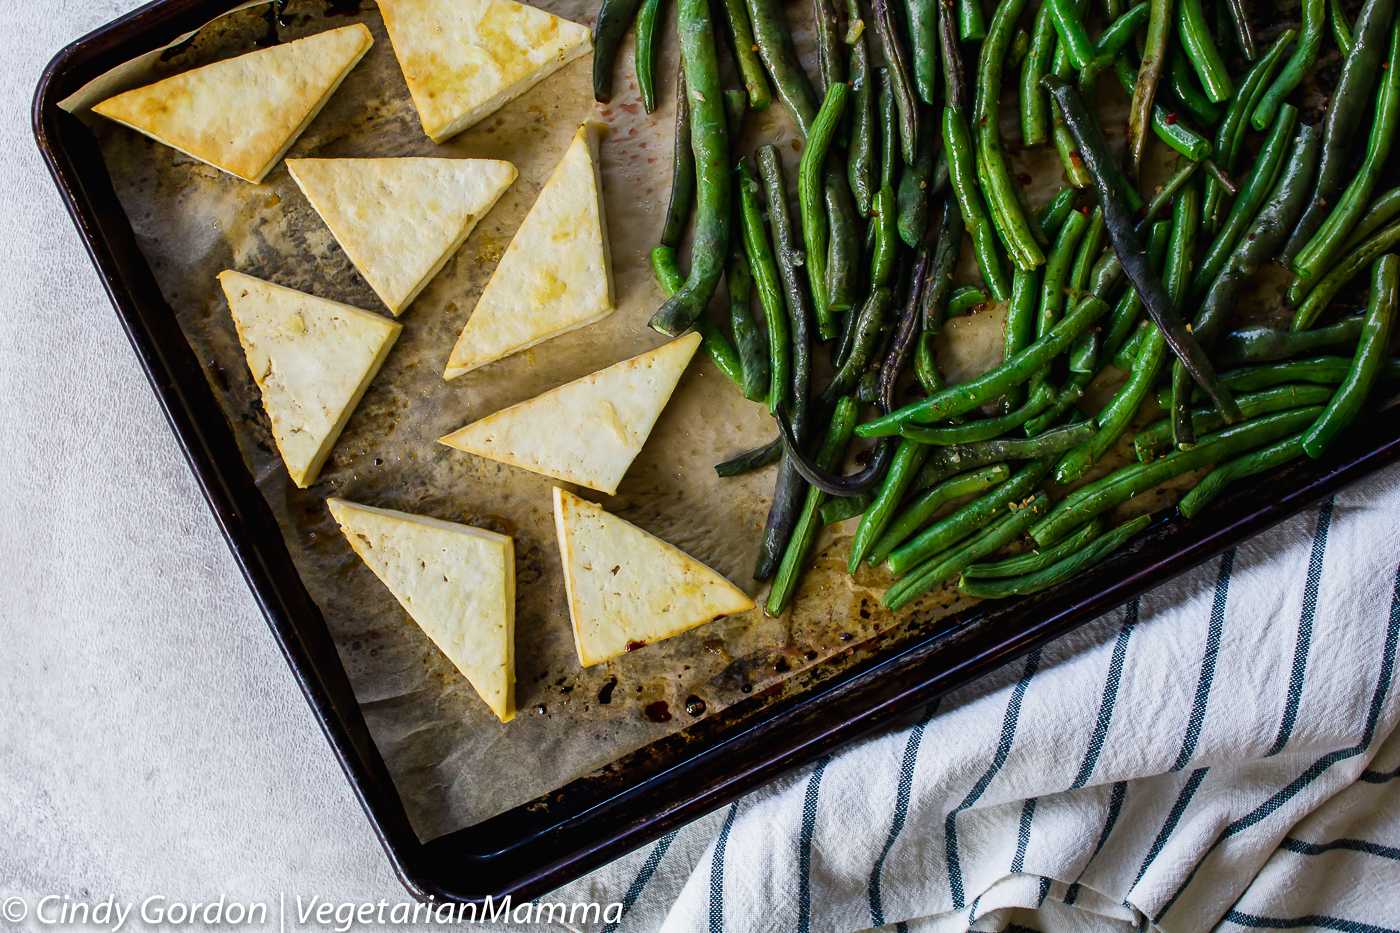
588	431
626	588
555	276
463	59
242	114
311	358
399	220
457	582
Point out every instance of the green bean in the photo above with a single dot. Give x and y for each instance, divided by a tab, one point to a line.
913	194
923	36
736	107
1259	344
940	276
1127	356
1322	370
1200	48
1244	32
886	239
897	64
866	387
804	532
614	16
830	67
1343	272
1382	210
888	116
1351	107
1058	573
1322	250
1260	243
1035	105
753	354
1069	24
841	508
867	334
710	140
1057	268
1064	140
983	429
1126	244
957	142
1366	365
1186	92
993	164
1034	560
1129	306
945	461
650	21
1119	412
1089	249
1111	45
682	171
1019	330
1214	483
964	299
1314	16
843	244
992	384
908	458
1230	132
1166	126
717	346
1256	187
860	153
751	460
1341	29
1113	490
809	192
765	274
746	57
948	531
1147	442
925	366
779	55
1145	88
971	25
1053	215
955	560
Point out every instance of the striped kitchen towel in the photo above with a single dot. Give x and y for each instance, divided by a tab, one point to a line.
1220	754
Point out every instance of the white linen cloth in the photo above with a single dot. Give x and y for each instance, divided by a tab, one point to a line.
1221	753
152	740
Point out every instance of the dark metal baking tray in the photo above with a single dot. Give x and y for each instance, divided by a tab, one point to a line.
549	841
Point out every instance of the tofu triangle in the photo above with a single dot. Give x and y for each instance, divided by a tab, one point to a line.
457	582
464	59
312	360
588	431
627	588
555	276
399	220
242	114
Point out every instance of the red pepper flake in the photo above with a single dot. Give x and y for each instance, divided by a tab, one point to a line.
1171	119
1076	157
1024	179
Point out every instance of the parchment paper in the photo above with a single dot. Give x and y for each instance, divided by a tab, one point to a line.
452	762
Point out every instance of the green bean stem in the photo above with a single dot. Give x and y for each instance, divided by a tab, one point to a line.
1366	365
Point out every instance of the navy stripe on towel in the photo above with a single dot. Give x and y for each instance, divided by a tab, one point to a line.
1110	696
717	872
1281	797
1305	627
1203	685
901	812
1008	734
1023	837
1183	800
1296	923
804	849
1378	777
1346	845
643	877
